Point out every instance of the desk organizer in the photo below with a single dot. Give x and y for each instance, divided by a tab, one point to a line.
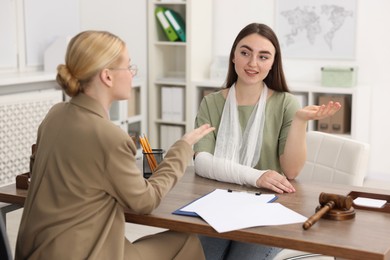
385	208
158	155
23	181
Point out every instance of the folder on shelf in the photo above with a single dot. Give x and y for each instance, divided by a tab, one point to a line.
166	103
172	103
165	25
177	23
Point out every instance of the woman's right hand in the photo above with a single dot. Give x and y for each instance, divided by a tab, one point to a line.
195	135
274	181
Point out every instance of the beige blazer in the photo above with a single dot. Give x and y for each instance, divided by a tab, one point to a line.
84	174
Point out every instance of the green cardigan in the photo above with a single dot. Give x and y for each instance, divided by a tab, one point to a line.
279	112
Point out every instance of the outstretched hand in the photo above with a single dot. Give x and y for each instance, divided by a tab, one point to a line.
195	135
318	112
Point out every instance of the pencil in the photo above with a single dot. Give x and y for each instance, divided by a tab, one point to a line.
149	153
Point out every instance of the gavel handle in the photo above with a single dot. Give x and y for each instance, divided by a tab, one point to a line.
313	219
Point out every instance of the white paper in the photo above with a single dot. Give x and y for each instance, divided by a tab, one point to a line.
367	202
227	198
227	211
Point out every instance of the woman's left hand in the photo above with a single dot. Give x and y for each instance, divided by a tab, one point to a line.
274	181
318	112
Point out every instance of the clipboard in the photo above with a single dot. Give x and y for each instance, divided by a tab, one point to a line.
177	23
188	213
165	25
183	212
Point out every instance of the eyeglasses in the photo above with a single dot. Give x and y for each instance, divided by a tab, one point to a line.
132	68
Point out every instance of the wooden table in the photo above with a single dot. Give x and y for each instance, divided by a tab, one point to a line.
367	236
14	197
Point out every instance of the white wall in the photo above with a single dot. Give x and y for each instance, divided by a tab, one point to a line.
127	19
372	55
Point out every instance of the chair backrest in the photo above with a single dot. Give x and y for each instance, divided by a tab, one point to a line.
5	249
335	159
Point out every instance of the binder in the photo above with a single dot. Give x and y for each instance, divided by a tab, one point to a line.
172	103
166	103
165	25
177	23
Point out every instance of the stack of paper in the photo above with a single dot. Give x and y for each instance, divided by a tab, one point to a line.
226	210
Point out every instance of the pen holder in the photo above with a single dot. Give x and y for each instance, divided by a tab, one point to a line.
147	169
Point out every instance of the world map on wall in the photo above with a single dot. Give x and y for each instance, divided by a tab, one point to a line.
308	20
317	28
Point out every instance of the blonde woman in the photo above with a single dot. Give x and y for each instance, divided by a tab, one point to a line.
84	170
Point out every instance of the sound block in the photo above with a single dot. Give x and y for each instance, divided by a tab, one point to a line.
338	214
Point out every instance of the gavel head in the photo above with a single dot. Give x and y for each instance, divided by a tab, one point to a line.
341	202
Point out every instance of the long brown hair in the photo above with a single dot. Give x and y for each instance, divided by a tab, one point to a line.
275	79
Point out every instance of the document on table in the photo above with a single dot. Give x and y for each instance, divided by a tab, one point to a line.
226	211
189	210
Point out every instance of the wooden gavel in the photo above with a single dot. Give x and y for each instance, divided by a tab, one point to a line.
329	201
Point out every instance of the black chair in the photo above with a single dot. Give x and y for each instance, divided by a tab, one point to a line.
5	249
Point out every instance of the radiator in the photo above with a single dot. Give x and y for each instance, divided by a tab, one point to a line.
20	116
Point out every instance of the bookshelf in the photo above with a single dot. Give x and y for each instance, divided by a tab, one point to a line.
176	65
130	115
308	93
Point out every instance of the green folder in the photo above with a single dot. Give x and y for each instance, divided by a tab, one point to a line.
165	25
177	23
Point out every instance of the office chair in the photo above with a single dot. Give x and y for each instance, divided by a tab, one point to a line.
330	159
5	249
335	159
